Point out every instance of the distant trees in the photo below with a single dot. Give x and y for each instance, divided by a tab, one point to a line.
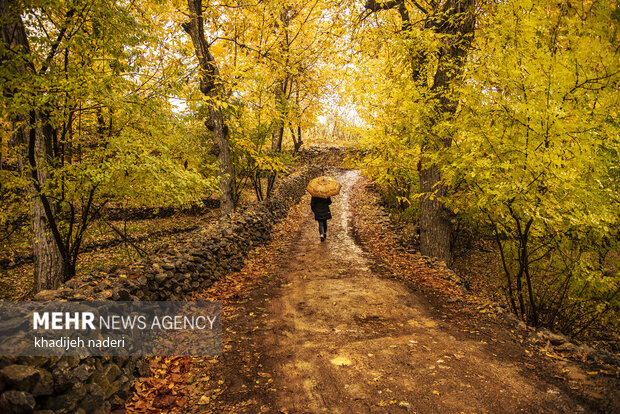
272	70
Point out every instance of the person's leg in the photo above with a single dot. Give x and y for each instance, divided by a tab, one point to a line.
322	229
325	228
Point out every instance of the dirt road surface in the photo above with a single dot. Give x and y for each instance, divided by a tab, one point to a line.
324	333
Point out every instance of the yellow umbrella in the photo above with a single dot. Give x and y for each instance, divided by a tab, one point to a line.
323	187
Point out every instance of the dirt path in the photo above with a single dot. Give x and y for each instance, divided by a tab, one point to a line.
324	333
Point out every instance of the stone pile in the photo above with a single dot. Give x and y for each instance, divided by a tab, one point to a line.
323	155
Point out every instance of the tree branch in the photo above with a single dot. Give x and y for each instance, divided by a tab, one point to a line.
375	6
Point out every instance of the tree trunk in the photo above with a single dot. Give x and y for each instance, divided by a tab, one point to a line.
49	268
297	141
278	129
283	84
220	137
48	262
435	219
209	74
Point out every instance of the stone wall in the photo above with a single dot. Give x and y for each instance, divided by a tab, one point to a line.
325	155
94	384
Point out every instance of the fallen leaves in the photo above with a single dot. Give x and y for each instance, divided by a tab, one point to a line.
198	384
162	389
384	244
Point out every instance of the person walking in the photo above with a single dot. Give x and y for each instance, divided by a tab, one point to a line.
322	213
322	189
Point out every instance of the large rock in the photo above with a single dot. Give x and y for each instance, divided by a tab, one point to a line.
105	378
67	402
20	377
45	385
16	402
47	295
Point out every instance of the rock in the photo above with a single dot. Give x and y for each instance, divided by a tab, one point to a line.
68	401
65	293
121	295
554	338
45	385
161	278
16	402
587	352
557	339
110	388
46	295
607	357
512	319
94	399
567	347
20	377
105	378
81	373
106	294
63	380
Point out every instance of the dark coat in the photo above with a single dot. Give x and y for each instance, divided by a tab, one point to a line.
320	206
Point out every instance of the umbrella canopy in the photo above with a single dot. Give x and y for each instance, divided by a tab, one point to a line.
323	187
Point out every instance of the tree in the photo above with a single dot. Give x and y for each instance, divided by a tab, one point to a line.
446	29
536	156
80	98
209	86
32	130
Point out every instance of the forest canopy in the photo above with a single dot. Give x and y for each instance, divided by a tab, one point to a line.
498	116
